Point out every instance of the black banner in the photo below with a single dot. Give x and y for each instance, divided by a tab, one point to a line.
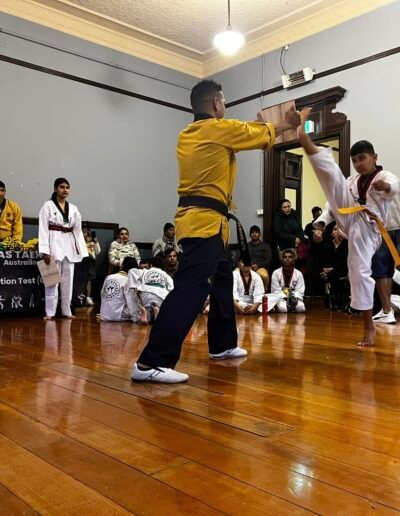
21	286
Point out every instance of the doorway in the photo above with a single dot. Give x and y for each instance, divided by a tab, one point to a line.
287	171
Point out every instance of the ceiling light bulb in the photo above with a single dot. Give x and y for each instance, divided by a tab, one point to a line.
229	41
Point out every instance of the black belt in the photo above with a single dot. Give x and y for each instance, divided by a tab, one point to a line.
200	201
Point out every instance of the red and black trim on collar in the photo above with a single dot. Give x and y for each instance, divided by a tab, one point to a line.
364	187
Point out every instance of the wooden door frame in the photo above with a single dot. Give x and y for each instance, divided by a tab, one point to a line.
329	124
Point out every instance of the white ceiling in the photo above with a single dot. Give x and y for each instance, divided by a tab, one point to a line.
179	33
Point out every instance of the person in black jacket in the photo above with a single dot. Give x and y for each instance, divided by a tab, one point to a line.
334	268
286	226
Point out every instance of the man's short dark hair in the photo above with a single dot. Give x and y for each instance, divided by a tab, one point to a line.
289	251
255	228
2	185
129	263
168	226
316	209
169	251
362	147
202	93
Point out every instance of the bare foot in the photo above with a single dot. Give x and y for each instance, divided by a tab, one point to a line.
48	318
143	315
368	340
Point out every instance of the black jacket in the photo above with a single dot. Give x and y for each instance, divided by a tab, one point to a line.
286	228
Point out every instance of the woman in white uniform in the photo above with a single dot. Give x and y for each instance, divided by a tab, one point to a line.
60	237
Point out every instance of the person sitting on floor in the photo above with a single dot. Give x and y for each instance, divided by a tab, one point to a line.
151	286
248	290
171	262
117	303
290	282
261	255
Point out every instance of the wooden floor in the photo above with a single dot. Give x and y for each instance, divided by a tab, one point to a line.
308	423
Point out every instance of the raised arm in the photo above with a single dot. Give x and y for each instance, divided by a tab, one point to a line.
305	141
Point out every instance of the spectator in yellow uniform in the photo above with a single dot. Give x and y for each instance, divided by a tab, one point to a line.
10	217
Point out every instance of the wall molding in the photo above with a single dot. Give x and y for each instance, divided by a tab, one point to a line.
263	93
88	82
100	29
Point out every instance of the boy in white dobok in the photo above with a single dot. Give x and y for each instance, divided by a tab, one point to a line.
117	302
151	286
289	282
372	188
248	290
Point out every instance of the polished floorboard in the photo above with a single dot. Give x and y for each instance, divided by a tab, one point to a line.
307	424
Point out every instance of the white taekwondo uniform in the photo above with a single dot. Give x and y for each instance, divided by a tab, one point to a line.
296	284
256	289
153	284
118	303
362	232
67	248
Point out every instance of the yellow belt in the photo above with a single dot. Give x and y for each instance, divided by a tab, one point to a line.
382	229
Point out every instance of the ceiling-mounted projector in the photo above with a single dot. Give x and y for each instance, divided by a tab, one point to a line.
291	80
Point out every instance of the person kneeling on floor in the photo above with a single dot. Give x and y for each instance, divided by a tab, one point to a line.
290	282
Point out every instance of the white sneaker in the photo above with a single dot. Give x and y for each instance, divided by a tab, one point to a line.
158	374
89	301
385	318
229	353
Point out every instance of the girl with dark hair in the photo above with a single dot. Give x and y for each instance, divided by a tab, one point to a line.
61	238
286	226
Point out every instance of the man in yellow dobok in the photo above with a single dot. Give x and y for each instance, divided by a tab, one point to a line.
207	171
10	217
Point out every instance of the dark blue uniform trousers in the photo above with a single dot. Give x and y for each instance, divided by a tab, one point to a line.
203	270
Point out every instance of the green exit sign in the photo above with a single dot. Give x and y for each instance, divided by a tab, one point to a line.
309	126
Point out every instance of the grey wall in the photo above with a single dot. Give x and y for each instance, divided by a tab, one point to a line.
372	102
118	152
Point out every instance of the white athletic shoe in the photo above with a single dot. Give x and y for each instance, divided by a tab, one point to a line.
384	318
158	374
89	301
229	353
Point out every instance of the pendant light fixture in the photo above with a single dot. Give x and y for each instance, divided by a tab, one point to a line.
229	41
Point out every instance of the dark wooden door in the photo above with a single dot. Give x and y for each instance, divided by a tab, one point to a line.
291	169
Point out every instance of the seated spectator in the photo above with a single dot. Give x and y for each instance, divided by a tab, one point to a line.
10	217
290	282
117	303
334	268
286	226
171	262
167	241
308	230
248	290
151	286
261	255
121	248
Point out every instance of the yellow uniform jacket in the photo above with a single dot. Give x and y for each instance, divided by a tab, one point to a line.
207	166
11	221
